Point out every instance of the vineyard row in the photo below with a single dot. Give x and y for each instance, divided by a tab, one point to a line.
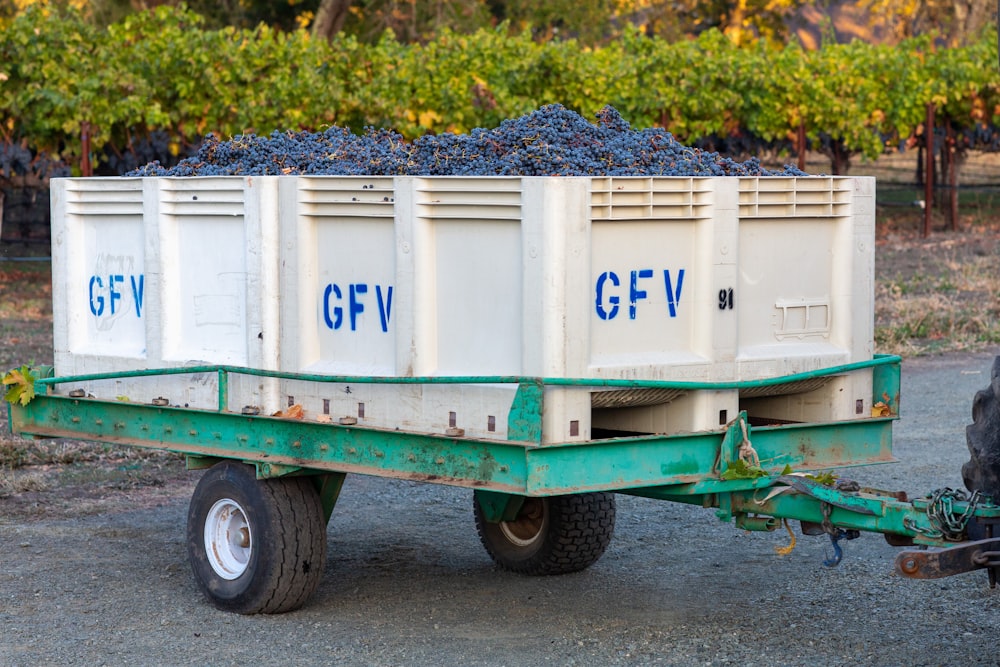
153	85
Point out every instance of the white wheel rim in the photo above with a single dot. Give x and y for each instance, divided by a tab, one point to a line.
228	540
526	529
516	539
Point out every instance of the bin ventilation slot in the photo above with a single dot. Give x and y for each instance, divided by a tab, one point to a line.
632	398
353	196
469	199
800	387
812	197
650	198
104	201
203	197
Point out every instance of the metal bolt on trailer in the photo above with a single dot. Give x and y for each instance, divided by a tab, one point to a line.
256	525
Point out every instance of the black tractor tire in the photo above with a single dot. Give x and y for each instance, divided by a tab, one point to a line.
982	472
255	546
553	535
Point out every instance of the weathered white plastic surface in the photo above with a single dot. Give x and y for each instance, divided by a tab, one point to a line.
164	273
700	279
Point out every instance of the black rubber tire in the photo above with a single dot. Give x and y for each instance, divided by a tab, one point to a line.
982	472
283	560
554	535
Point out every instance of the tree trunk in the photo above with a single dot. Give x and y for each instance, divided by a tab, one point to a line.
734	22
840	157
970	17
330	17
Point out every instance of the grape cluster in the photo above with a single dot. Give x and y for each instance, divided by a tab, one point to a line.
14	159
551	141
17	160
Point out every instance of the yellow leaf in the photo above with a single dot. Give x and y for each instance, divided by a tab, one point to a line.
22	385
428	118
880	409
293	412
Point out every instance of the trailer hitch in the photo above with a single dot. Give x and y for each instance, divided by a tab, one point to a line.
939	563
838	551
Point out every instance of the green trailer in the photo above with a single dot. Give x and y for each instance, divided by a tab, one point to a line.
256	532
548	342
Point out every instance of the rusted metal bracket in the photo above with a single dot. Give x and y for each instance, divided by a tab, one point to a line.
939	563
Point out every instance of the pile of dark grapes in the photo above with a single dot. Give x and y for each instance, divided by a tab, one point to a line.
552	141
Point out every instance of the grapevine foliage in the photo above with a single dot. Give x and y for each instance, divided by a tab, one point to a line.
550	141
153	84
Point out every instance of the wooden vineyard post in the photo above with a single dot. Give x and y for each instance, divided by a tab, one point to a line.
929	170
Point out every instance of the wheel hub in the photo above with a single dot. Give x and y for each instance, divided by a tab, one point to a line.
527	527
228	540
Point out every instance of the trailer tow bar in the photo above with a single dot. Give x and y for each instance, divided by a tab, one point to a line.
939	563
981	551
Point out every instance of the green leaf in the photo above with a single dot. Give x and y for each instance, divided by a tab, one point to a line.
824	478
22	385
739	469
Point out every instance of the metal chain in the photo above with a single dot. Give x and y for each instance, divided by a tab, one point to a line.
942	517
828	526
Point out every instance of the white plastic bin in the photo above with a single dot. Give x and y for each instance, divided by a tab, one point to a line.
164	273
689	279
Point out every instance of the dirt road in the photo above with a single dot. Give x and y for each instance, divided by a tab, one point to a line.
407	582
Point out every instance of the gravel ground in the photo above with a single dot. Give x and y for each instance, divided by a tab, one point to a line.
407	582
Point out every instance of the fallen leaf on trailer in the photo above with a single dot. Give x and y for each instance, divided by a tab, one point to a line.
293	412
880	409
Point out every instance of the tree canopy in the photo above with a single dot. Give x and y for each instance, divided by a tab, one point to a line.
590	22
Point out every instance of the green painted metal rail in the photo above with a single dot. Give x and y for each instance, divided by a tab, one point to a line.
518	465
886	365
521	467
685	467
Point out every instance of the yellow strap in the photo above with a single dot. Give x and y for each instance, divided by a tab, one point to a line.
784	551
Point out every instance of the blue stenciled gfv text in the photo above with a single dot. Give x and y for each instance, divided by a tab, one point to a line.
106	293
344	306
339	304
609	290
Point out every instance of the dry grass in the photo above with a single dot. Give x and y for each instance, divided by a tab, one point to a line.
937	294
31	481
